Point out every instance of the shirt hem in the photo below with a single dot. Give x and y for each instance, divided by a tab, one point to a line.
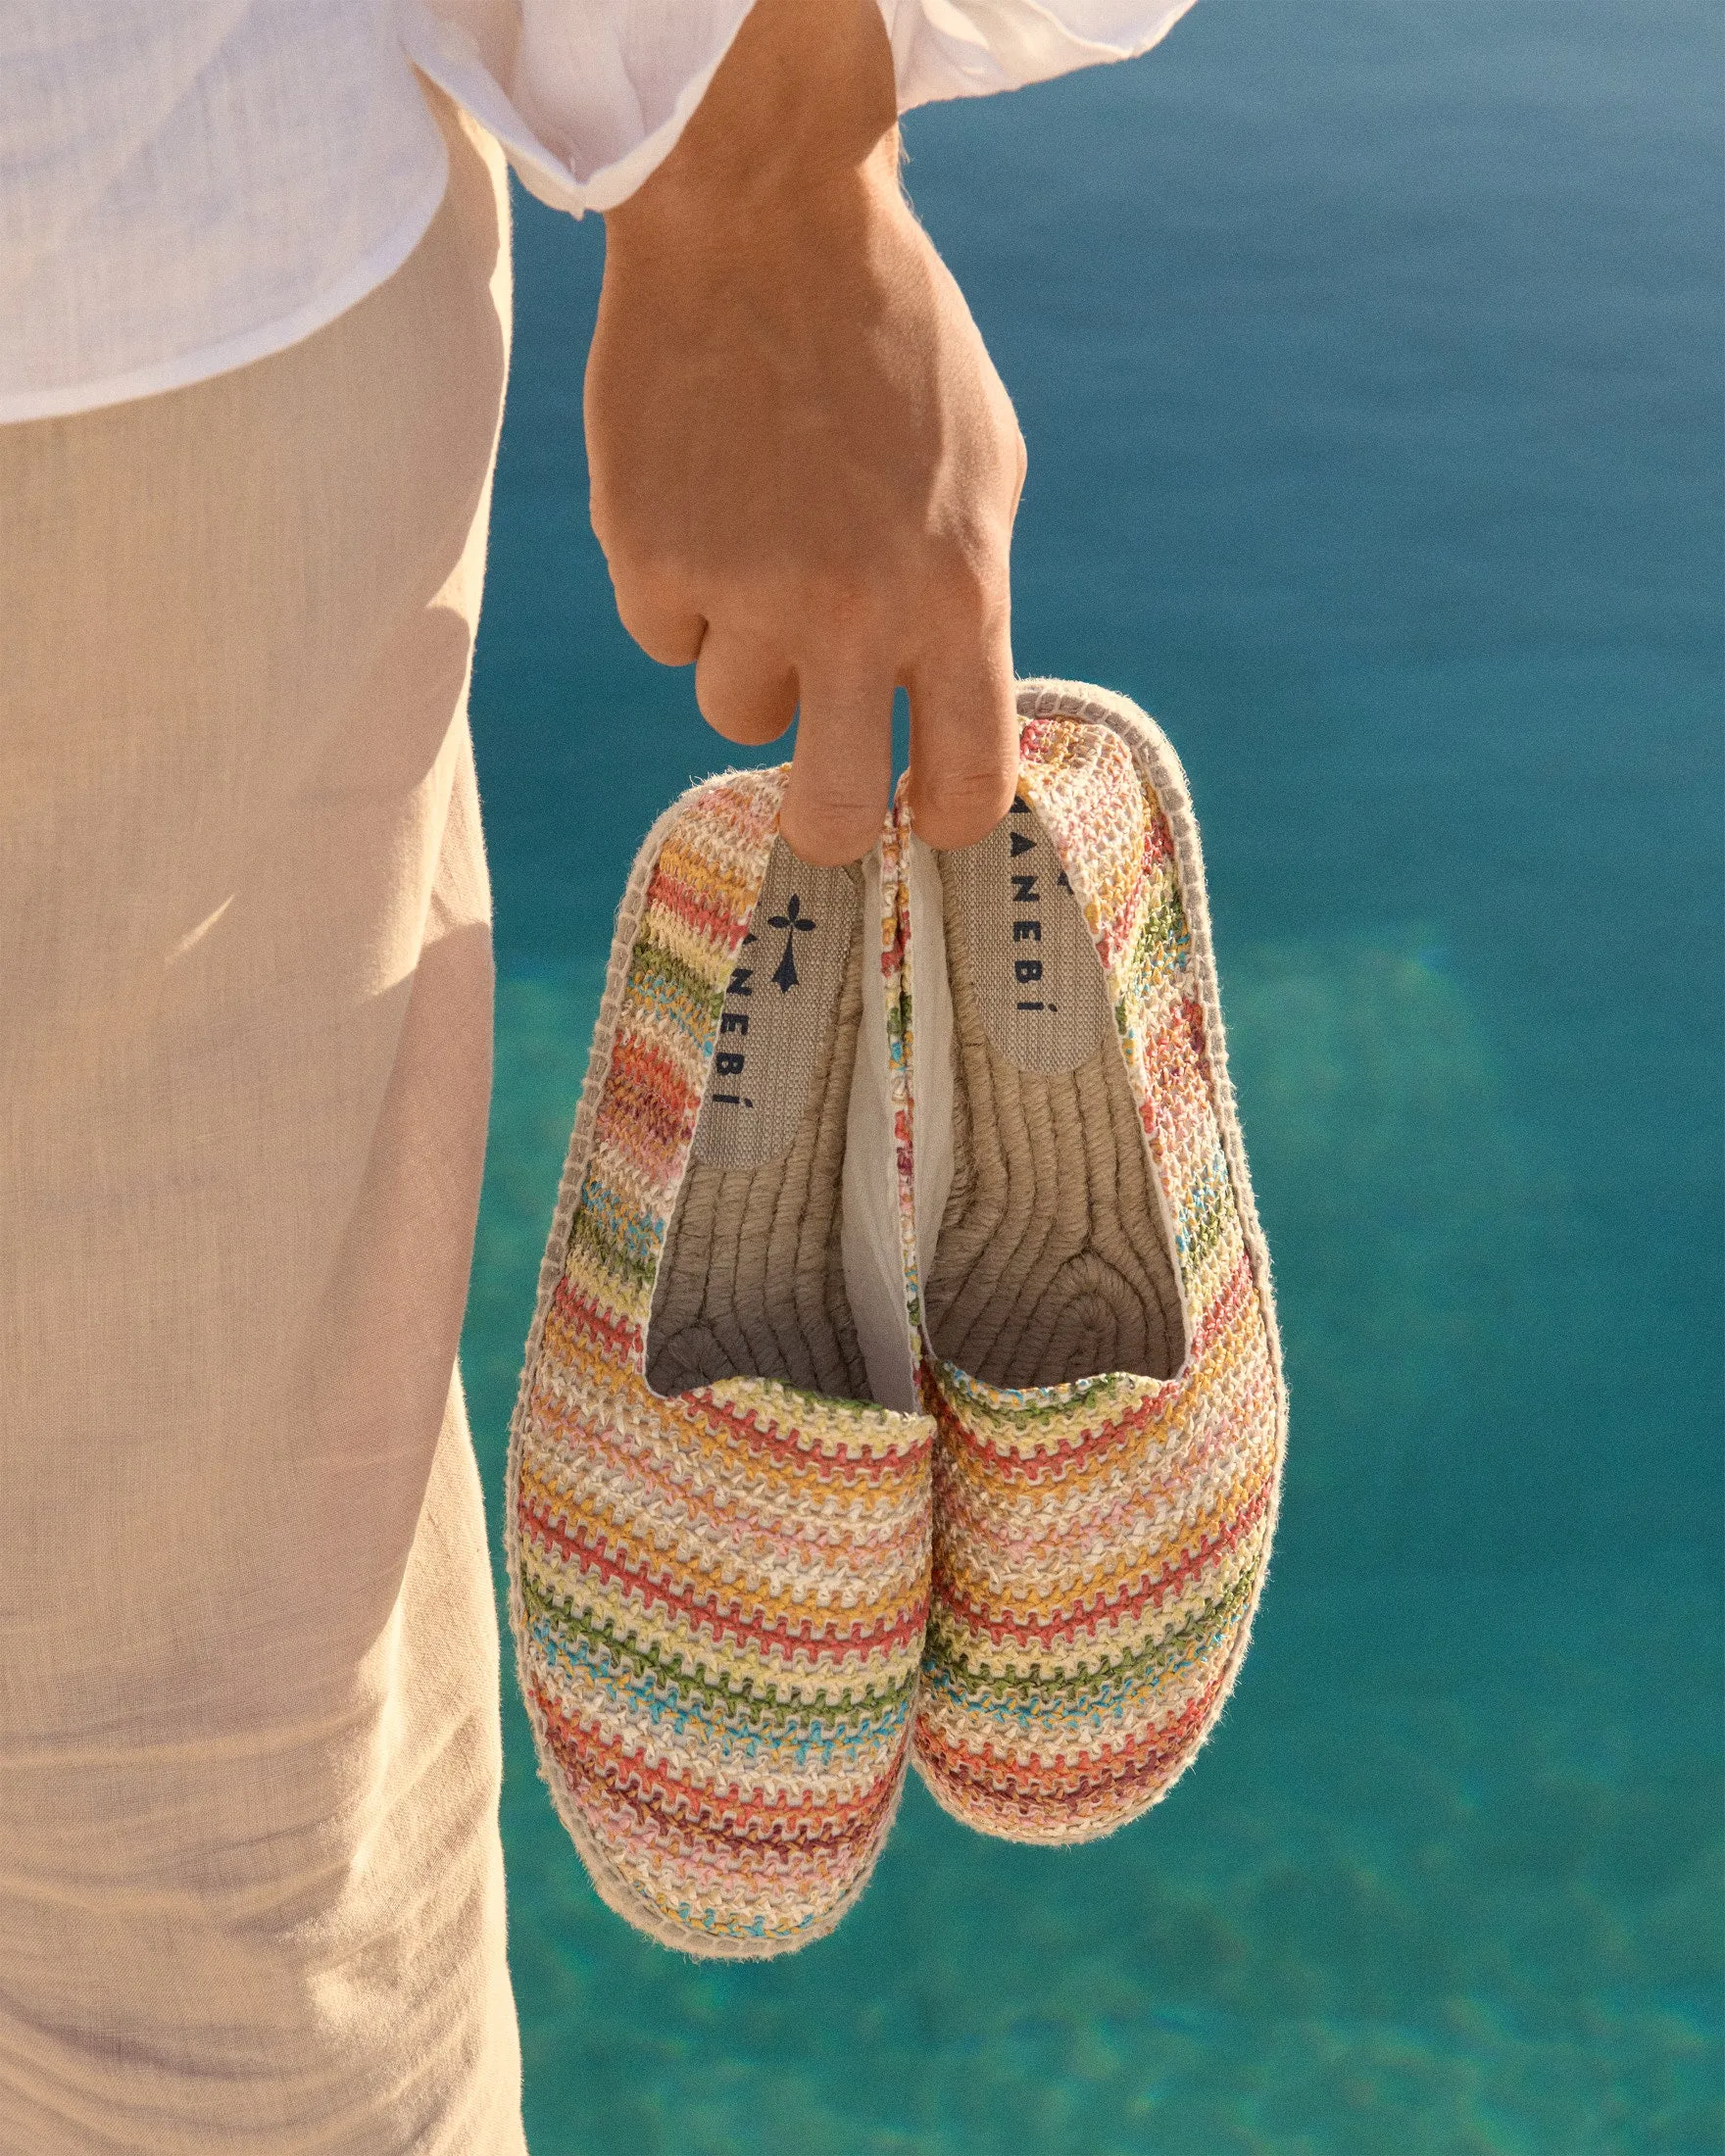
65	400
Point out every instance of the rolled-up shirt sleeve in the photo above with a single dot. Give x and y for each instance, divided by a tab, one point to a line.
587	96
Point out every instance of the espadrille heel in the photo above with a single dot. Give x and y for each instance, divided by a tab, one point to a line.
718	1485
1102	1356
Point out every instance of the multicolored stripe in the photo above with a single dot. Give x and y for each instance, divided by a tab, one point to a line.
719	1598
1099	1546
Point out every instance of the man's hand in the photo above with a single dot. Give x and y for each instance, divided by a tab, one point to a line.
805	466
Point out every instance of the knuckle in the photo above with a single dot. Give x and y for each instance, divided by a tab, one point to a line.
965	574
834	807
728	723
735	714
965	804
617	529
842	600
653	605
644	569
662	636
966	567
830	826
643	553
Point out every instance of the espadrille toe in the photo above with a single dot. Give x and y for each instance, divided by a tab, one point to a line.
718	1535
1101	1352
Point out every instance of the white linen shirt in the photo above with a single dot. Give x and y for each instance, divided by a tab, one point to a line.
187	185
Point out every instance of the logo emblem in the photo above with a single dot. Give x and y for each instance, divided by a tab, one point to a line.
790	920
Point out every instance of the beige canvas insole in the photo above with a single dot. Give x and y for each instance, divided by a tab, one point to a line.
1052	1261
751	1280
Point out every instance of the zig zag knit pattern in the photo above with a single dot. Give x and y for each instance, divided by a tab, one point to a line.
1100	1544
718	1598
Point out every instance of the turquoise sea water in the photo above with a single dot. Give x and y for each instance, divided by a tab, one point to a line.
1367	355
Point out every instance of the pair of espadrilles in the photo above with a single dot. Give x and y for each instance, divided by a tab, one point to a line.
905	1382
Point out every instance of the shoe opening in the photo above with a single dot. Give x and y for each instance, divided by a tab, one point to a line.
751	1282
1054	1258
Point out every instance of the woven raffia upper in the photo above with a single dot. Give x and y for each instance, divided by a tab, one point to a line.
720	1596
1100	1543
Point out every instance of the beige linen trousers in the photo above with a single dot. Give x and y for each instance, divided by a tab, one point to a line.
251	1886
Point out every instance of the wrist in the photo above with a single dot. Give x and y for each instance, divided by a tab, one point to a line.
798	130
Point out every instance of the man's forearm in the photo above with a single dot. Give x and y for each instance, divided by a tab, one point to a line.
805	468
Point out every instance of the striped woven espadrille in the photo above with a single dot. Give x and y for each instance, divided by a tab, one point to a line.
719	1549
1104	1362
